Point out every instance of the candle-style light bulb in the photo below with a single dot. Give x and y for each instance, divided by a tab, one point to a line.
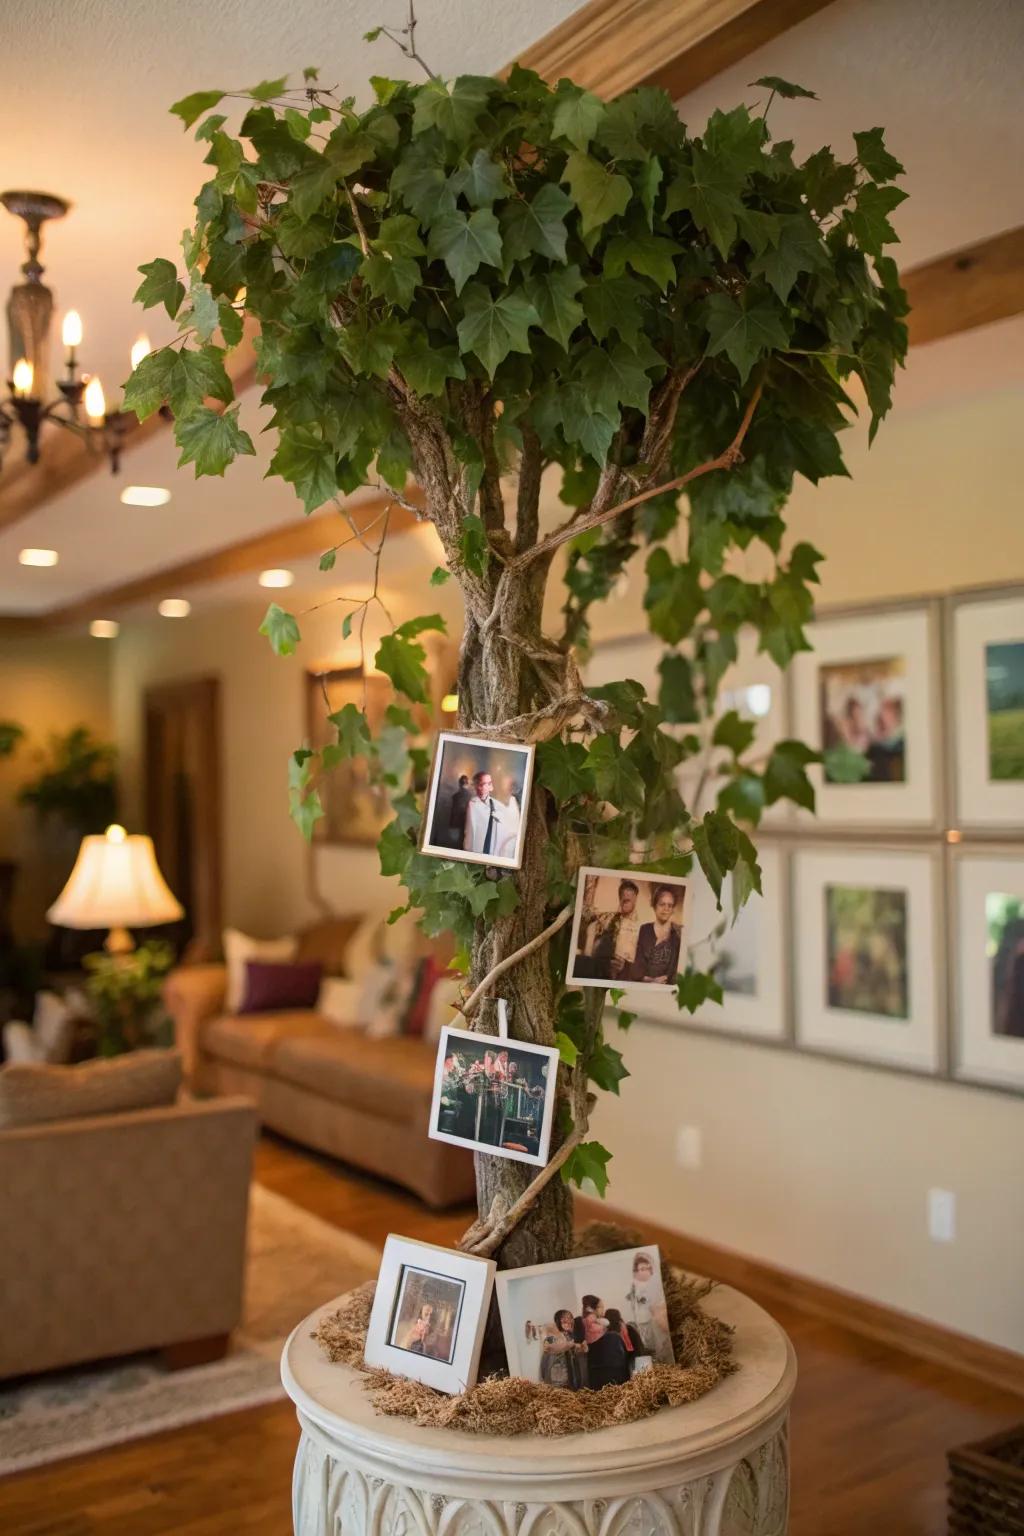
22	378
140	349
71	330
95	402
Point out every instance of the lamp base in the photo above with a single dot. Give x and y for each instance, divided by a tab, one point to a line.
119	942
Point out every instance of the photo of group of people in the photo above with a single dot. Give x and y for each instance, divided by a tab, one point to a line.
425	1319
586	1323
494	1095
628	929
867	937
478	800
863	707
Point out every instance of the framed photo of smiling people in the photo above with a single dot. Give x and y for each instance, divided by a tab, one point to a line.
477	800
629	930
872	684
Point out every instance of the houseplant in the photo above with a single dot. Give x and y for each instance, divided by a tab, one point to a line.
77	785
470	285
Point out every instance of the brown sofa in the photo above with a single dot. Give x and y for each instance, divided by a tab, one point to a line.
123	1232
364	1101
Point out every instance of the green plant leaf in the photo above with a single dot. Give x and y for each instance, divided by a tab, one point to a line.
709	190
612	378
598	193
676	698
869	217
553	295
785	776
536	226
744	333
577	115
568	1051
783	88
606	1068
564	768
649	255
473	545
307	463
403	660
311	188
281	629
734	733
353	731
481	181
743	797
452	111
694	988
588	1161
493	327
160	285
439	576
304	805
843	765
465	244
182	379
189	108
875	158
798	248
673	598
211	440
616	776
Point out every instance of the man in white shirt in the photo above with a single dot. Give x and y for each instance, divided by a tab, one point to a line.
483	817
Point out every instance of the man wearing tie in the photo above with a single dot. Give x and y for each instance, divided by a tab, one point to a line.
483	817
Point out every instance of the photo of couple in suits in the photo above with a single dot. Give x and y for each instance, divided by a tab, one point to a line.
478	800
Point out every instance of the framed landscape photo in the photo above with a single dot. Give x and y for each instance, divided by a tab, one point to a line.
629	930
494	1095
478	799
871	685
868	941
988	924
429	1313
987	686
747	956
585	1323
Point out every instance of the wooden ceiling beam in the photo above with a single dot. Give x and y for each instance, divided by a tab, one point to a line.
974	286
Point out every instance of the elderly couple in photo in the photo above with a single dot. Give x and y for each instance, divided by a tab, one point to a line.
601	1345
617	947
480	820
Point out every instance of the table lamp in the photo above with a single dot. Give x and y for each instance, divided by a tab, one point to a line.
116	883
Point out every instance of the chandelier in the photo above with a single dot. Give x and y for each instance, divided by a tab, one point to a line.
79	403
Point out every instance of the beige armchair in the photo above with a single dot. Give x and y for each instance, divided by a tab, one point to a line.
124	1232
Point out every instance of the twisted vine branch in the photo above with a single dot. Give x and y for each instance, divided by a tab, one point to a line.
474	999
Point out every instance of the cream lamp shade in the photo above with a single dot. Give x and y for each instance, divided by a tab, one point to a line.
116	883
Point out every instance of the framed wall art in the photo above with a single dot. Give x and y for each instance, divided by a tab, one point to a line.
872	684
868	940
988	959
987	690
748	957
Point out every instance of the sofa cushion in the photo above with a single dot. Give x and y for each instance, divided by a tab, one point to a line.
34	1092
277	988
392	1079
248	1040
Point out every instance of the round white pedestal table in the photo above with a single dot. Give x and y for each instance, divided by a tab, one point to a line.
717	1467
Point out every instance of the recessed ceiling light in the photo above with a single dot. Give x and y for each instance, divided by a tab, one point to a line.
276	578
175	608
38	557
145	496
105	629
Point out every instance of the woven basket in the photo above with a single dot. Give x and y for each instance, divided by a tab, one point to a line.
986	1486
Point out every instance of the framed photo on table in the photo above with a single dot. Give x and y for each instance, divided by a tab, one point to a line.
872	684
747	957
429	1314
988	994
868	930
987	688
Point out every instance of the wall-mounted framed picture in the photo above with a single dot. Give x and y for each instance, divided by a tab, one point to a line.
748	957
868	931
987	689
988	964
872	683
429	1313
355	810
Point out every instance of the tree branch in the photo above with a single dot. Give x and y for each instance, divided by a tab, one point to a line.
486	1237
469	1007
727	459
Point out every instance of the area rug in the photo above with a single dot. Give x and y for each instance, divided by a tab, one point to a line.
296	1262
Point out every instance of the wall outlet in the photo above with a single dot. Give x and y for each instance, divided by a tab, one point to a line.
942	1215
689	1151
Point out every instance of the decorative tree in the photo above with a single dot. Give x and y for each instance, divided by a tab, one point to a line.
467	285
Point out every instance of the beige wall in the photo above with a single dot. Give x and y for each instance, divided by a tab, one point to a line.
47	685
820	1167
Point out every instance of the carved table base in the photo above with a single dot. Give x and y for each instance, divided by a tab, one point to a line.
717	1467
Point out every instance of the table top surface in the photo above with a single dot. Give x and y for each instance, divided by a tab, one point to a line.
335	1399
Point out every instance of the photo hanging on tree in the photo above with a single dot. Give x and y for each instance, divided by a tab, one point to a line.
494	1095
429	1313
629	930
478	799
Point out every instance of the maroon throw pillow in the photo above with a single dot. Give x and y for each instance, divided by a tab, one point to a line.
270	988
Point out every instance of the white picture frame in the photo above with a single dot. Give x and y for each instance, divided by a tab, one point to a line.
583	970
985	800
493	1101
457	757
982	879
896	1010
628	1279
864	647
756	1007
414	1276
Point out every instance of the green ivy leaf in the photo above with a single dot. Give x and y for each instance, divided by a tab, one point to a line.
493	327
564	768
189	108
744	332
868	219
598	193
588	1161
606	1068
160	285
211	440
673	598
676	698
395	849
537	226
353	730
182	379
874	157
649	255
616	776
452	111
305	461
439	576
268	89
743	797
709	190
798	248
428	369
311	188
785	776
612	304
612	378
304	805
481	182
734	733
465	244
577	115
694	988
281	629
402	660
783	88
568	1051
473	545
553	295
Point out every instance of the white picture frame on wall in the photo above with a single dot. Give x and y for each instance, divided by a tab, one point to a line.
988	962
754	1005
868	934
986	677
873	681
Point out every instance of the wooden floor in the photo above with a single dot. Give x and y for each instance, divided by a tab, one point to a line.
869	1433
